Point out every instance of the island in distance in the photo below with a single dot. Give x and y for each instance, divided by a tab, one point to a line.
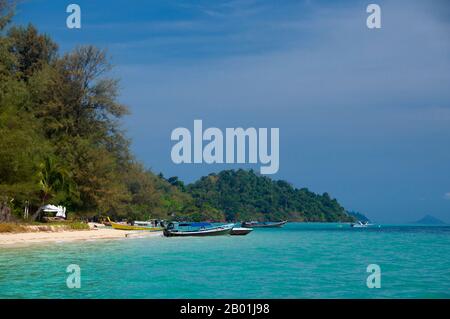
430	220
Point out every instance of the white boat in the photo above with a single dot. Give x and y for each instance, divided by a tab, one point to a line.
360	224
59	210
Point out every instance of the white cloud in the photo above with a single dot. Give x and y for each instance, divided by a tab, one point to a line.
447	196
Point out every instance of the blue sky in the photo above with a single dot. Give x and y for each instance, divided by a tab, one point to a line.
363	114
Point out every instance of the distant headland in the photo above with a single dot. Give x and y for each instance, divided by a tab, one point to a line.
430	220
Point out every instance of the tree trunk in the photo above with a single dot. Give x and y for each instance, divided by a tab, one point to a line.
5	213
37	215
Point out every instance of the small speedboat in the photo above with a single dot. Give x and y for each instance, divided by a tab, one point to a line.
255	224
240	231
196	229
360	224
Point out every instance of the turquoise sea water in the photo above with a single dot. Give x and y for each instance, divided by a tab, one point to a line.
297	261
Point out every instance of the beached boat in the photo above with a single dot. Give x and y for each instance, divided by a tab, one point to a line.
254	224
196	229
122	226
240	231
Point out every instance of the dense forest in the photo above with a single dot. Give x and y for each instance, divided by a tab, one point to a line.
61	142
245	195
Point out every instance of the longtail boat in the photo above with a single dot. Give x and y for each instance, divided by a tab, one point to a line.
121	226
196	229
240	231
263	224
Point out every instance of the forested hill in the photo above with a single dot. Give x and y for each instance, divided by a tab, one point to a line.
245	195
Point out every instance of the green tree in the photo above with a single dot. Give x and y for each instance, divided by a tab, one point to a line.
31	49
55	181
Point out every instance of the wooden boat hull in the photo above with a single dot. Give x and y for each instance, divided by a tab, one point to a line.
264	225
240	231
131	227
200	233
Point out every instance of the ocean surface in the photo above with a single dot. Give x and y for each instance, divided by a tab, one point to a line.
296	261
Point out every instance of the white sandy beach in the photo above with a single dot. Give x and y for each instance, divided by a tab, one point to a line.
67	236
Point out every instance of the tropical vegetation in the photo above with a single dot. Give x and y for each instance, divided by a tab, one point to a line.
245	195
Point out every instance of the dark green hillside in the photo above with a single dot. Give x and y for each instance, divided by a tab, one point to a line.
244	195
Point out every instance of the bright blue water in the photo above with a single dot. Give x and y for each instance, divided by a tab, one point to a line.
297	261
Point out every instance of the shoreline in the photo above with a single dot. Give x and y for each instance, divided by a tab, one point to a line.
25	238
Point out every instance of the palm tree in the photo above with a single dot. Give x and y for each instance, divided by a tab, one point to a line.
54	181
